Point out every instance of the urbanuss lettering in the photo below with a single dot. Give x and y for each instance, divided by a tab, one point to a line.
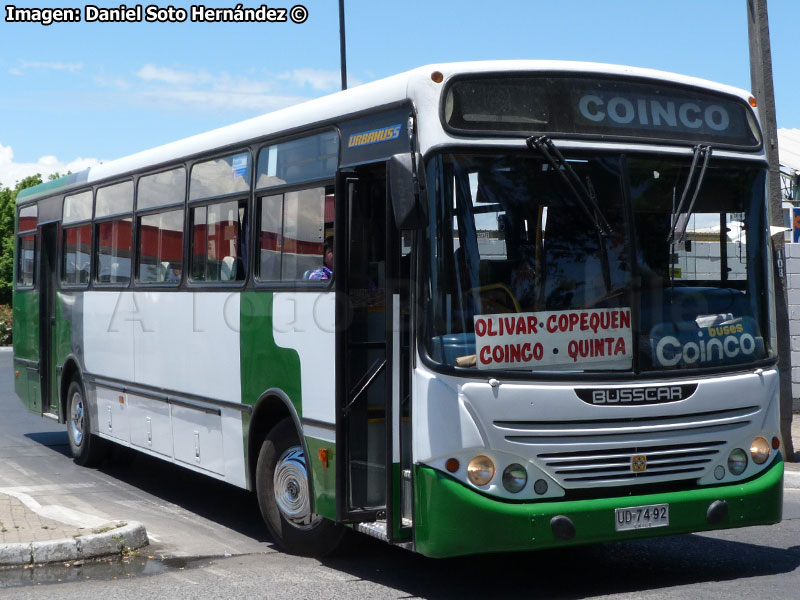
636	395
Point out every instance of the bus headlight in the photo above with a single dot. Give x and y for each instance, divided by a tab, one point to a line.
480	470
759	450
737	461
514	478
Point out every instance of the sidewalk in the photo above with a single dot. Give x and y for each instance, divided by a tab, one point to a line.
26	537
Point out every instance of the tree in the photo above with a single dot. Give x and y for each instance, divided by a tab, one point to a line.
8	200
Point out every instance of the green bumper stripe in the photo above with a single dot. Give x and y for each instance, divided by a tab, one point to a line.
452	520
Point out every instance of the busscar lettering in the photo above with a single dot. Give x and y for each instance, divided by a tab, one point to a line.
43	16
636	395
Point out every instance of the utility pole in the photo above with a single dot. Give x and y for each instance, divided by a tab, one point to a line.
761	82
342	49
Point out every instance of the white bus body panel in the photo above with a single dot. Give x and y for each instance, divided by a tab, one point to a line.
183	343
306	322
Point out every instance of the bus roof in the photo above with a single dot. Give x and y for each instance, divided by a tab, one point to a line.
368	96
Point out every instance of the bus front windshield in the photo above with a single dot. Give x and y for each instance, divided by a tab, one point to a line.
594	265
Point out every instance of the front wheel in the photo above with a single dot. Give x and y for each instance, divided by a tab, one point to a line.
284	496
88	450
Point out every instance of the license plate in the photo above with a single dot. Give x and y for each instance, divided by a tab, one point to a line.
641	517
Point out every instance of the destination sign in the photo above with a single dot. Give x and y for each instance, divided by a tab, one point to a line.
570	339
604	107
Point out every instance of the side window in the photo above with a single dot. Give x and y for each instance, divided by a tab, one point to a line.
297	161
219	229
218	242
114	205
26	246
296	226
76	240
160	234
114	251
220	176
26	260
161	247
76	254
296	236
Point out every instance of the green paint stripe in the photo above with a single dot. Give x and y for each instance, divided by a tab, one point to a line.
451	520
50	187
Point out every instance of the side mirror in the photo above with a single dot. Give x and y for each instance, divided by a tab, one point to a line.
409	211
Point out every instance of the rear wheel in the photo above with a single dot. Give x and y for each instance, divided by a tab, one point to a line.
88	450
284	496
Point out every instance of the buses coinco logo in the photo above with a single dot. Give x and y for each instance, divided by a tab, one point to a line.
375	136
639	463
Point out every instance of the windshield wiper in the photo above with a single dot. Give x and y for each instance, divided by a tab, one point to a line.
680	222
586	199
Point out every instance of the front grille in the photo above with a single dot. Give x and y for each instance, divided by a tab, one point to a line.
587	453
614	465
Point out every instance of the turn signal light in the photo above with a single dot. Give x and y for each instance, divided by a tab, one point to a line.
452	465
776	443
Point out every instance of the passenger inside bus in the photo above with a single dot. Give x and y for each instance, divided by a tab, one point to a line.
326	270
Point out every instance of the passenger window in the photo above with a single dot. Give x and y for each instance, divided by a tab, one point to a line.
27	223
271	238
114	251
76	255
26	260
78	207
218	242
161	247
162	189
220	176
296	235
305	159
114	199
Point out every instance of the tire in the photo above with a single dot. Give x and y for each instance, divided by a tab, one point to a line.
87	450
283	497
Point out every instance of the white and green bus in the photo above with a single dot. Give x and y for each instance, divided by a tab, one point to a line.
470	308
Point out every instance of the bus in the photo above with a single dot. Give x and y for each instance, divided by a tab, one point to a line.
477	307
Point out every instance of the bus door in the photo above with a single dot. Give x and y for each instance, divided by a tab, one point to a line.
373	382
47	318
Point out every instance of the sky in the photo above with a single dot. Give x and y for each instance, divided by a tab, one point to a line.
75	94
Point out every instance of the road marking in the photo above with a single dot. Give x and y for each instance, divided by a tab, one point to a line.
46	487
61	514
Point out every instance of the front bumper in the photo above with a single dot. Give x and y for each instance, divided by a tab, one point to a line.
451	519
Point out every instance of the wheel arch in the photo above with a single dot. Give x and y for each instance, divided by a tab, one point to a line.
272	407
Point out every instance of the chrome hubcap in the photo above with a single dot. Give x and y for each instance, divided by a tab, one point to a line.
76	418
291	488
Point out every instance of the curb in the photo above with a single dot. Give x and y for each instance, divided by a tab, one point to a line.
121	536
